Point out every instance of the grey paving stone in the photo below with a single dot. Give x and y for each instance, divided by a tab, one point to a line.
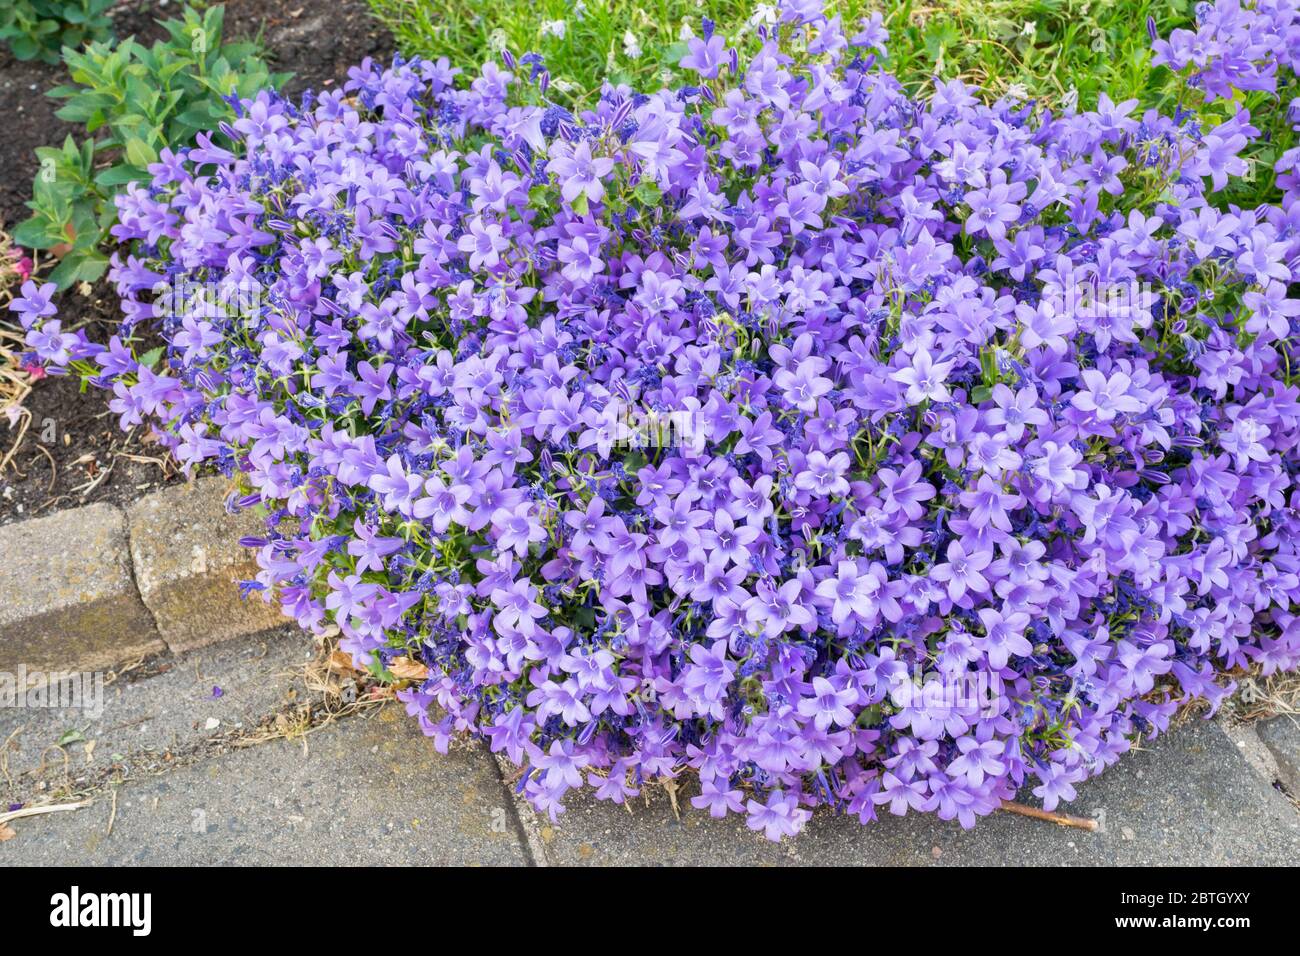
1189	799
362	791
1281	735
67	600
187	559
131	725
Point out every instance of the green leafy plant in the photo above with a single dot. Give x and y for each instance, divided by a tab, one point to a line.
38	29
134	102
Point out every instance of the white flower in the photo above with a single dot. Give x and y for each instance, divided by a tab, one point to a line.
497	40
631	45
555	28
763	13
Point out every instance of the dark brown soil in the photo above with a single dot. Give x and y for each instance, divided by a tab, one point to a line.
72	438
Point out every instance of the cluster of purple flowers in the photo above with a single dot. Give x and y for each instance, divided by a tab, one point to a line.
930	447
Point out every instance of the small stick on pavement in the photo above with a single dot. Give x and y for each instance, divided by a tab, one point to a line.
1062	819
37	811
112	815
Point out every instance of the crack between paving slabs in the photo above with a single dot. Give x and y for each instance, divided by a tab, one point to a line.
522	814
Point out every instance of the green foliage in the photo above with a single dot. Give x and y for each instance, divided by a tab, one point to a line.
38	29
592	46
134	102
1039	48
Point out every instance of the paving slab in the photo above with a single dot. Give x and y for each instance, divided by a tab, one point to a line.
68	599
187	558
1190	799
1281	735
130	725
364	791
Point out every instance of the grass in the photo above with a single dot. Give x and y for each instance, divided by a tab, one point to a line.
591	48
1041	48
1054	51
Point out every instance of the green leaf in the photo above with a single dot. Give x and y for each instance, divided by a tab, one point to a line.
539	196
150	358
24	48
120	175
988	367
34	233
648	193
197	117
79	266
140	153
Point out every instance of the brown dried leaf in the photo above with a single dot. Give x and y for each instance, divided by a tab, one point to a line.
7	833
403	668
341	663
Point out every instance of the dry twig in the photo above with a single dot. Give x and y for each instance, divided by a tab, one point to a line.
38	811
1061	819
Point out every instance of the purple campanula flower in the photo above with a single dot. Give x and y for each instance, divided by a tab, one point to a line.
704	56
578	172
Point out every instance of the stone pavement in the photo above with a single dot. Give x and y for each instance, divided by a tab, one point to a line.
175	776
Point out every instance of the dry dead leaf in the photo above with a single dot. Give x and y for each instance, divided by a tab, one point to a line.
341	663
403	668
7	833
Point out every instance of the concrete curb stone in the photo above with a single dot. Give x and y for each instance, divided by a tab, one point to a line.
188	560
69	598
93	587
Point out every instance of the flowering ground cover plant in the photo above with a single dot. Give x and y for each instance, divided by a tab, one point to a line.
984	437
